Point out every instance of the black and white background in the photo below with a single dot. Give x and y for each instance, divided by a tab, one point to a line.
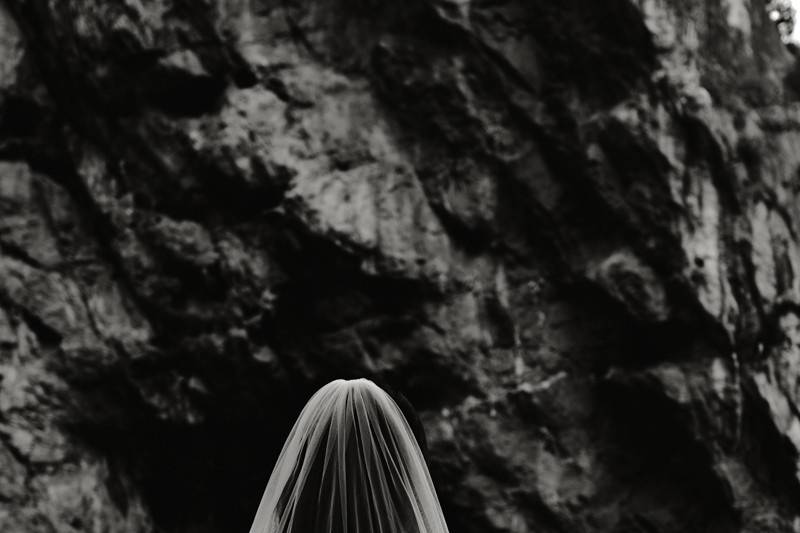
566	231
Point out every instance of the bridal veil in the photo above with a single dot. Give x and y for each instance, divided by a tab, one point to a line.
350	464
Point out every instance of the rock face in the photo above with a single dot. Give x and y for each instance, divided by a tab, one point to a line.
566	231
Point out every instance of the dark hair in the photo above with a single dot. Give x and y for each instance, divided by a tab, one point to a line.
411	416
311	521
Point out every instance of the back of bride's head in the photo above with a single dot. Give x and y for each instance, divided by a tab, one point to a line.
351	464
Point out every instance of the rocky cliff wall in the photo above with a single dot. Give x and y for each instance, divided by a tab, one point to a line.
566	231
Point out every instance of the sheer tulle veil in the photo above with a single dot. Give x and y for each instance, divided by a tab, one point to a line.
350	464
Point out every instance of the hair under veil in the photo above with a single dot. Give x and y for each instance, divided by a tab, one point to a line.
350	464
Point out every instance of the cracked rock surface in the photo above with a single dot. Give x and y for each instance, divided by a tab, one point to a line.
566	231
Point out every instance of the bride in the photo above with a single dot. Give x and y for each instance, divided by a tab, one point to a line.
350	464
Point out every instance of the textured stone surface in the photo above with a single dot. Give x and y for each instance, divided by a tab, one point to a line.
566	231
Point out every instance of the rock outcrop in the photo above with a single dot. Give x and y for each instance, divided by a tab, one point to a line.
566	231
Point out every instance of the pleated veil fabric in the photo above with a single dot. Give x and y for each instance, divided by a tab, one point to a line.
351	464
